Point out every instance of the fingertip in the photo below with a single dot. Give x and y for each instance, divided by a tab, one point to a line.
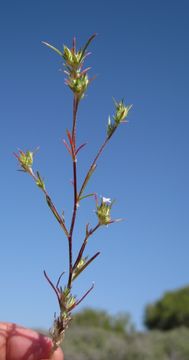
57	355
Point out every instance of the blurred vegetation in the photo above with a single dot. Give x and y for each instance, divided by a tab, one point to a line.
170	312
95	343
96	335
120	323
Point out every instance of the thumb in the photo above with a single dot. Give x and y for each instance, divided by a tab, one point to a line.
18	343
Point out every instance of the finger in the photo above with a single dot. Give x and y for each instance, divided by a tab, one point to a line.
19	343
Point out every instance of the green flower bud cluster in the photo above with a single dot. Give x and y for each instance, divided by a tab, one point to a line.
104	211
77	80
78	84
67	301
26	160
121	112
40	182
72	58
119	117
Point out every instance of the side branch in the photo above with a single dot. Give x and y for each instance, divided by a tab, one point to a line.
92	167
56	214
88	234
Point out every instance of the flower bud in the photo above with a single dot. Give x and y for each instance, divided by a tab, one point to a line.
79	268
78	85
103	211
67	301
72	58
39	182
68	56
81	263
25	160
121	112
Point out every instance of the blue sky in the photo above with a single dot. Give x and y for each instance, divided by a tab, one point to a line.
141	53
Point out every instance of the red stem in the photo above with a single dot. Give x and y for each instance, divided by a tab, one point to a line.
75	205
75	108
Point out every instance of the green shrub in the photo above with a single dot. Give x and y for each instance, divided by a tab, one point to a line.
93	343
170	312
120	323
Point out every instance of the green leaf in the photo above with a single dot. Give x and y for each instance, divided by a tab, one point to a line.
93	168
86	196
86	45
53	48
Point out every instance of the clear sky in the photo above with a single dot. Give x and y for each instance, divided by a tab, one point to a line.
141	53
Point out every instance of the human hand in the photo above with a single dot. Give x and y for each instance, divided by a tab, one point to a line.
18	343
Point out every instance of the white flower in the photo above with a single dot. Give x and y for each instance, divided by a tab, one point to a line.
106	200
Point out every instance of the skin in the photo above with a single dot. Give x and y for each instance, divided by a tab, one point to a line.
18	343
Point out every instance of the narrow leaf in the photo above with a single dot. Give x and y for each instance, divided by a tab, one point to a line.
87	178
71	141
67	147
87	44
52	48
84	296
86	196
86	264
80	147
